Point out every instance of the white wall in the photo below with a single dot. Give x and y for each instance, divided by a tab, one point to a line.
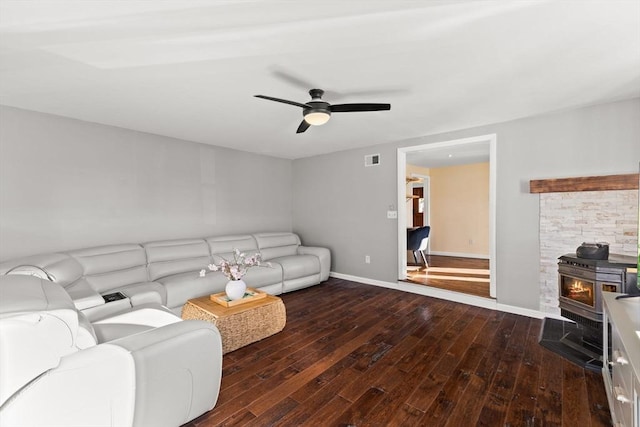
597	140
68	184
342	205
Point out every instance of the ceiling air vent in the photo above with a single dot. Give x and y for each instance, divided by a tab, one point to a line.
372	160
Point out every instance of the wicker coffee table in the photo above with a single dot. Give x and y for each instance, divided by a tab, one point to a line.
242	324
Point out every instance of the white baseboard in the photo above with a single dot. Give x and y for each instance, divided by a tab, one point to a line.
459	254
449	296
364	280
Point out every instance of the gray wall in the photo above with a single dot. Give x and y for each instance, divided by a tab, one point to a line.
67	184
341	204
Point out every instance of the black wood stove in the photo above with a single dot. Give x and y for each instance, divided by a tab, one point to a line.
581	283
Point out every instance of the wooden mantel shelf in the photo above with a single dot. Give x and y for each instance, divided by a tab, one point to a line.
587	183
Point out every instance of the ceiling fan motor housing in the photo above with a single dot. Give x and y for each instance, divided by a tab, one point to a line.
318	113
316	93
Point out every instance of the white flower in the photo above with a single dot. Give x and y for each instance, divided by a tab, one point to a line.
237	268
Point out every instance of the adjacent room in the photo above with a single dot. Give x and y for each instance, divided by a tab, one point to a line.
340	213
448	192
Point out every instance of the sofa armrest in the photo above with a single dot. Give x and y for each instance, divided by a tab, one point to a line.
95	386
144	293
83	295
178	371
323	254
163	377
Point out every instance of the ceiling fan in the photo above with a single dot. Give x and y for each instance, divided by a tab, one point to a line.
317	112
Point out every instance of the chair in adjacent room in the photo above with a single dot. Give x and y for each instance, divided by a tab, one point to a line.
417	240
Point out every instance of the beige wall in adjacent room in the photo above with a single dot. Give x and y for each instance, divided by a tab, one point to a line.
413	169
460	210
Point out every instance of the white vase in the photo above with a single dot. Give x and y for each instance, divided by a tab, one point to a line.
235	289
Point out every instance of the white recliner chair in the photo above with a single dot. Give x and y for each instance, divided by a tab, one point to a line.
56	371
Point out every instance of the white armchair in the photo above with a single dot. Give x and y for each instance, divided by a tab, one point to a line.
55	371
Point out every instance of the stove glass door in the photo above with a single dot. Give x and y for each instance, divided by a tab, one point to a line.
578	290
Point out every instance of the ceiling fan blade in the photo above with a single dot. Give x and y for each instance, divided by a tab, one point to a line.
300	82
303	126
344	108
291	78
284	101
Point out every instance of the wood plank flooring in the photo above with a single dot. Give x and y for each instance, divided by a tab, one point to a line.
466	275
361	355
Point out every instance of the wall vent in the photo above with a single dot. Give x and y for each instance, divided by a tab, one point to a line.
372	160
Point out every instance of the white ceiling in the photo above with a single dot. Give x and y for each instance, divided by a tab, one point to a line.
440	157
189	69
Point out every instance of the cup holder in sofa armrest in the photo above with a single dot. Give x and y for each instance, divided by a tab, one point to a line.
113	297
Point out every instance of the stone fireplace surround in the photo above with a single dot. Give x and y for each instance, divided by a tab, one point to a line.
573	215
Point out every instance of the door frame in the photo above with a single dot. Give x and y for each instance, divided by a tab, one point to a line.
402	206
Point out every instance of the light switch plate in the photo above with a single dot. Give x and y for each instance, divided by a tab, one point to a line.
392	214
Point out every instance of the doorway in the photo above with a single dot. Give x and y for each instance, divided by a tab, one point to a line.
441	154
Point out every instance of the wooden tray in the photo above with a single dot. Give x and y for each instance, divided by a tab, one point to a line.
249	295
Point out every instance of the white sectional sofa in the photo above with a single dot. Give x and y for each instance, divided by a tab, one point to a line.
167	272
94	336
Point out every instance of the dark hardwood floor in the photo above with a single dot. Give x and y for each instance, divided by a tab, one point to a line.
466	275
361	355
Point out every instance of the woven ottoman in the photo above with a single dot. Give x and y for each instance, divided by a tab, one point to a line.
242	324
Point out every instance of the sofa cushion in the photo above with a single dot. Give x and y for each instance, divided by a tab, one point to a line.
297	266
144	293
258	277
323	254
170	257
132	322
184	286
223	246
275	245
109	267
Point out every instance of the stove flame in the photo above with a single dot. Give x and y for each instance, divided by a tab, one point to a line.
580	291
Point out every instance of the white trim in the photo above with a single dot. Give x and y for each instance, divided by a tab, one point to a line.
363	280
493	226
447	295
402	214
461	254
458	297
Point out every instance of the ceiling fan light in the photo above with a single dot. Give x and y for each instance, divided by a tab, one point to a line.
317	118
